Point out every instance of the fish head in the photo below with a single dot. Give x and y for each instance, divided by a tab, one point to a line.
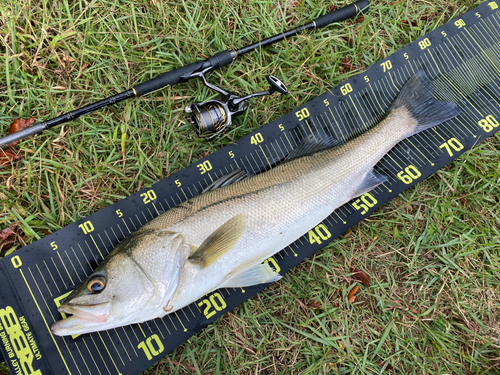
131	285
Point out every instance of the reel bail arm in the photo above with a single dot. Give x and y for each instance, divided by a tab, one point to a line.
213	117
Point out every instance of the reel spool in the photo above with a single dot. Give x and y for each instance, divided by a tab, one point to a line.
212	117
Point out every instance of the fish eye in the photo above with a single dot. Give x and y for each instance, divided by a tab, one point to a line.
97	284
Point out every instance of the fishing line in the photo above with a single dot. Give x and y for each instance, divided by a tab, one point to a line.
462	60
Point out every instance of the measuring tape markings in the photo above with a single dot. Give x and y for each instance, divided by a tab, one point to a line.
257	160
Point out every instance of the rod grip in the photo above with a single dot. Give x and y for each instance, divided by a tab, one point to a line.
221	59
342	14
170	78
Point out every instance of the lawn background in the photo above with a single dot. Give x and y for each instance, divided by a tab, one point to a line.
433	252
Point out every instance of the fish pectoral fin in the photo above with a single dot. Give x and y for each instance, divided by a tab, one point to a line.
371	181
220	241
258	274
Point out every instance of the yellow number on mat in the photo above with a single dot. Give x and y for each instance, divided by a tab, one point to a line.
273	264
302	114
319	234
151	349
16	261
387	65
216	301
148	196
346	89
409	174
368	202
256	139
424	43
488	123
204	167
454	144
86	227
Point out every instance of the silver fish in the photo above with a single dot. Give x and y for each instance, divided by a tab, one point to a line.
221	237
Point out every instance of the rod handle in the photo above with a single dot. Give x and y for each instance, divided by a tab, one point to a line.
342	14
184	73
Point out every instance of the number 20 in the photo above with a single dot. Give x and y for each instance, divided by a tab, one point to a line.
216	301
148	196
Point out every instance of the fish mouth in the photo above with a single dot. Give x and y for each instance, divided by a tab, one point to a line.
83	319
92	313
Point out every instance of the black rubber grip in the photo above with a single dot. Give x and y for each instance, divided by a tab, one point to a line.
221	59
170	78
342	13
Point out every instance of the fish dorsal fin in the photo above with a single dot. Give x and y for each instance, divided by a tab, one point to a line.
228	179
220	241
312	143
371	181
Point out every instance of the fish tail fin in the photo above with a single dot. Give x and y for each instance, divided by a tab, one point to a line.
418	98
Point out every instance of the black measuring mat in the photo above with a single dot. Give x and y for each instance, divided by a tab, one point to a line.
462	60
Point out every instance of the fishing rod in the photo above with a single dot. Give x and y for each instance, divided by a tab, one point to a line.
211	117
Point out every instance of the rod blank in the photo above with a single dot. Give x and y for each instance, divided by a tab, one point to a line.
189	71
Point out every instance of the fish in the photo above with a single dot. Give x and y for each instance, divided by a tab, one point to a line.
220	238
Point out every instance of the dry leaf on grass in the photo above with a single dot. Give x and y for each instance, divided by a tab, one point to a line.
361	276
8	157
351	297
4	233
17	125
314	303
388	366
20	124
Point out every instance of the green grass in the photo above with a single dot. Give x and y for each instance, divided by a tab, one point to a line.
432	253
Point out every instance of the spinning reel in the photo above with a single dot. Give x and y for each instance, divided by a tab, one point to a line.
214	116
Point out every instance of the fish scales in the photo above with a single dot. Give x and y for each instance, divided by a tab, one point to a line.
220	238
281	204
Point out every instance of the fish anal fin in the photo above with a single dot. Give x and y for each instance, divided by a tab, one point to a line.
219	242
258	274
371	181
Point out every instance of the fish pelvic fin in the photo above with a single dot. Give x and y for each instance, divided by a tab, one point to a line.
258	274
418	98
219	242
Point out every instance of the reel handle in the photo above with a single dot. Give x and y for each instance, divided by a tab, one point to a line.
275	86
